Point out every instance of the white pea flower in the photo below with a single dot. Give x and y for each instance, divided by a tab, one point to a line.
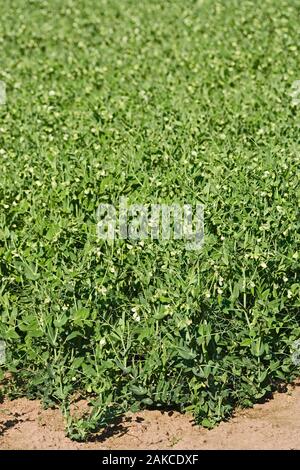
102	290
136	317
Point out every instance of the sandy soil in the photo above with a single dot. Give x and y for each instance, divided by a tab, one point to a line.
273	425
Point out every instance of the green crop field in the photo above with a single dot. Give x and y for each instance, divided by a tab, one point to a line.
160	102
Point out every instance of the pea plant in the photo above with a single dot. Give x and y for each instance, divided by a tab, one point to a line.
161	103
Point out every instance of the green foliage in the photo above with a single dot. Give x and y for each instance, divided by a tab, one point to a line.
161	102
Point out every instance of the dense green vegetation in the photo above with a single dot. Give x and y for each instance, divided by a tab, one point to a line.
160	101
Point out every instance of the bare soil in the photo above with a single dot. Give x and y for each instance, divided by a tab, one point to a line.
24	424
